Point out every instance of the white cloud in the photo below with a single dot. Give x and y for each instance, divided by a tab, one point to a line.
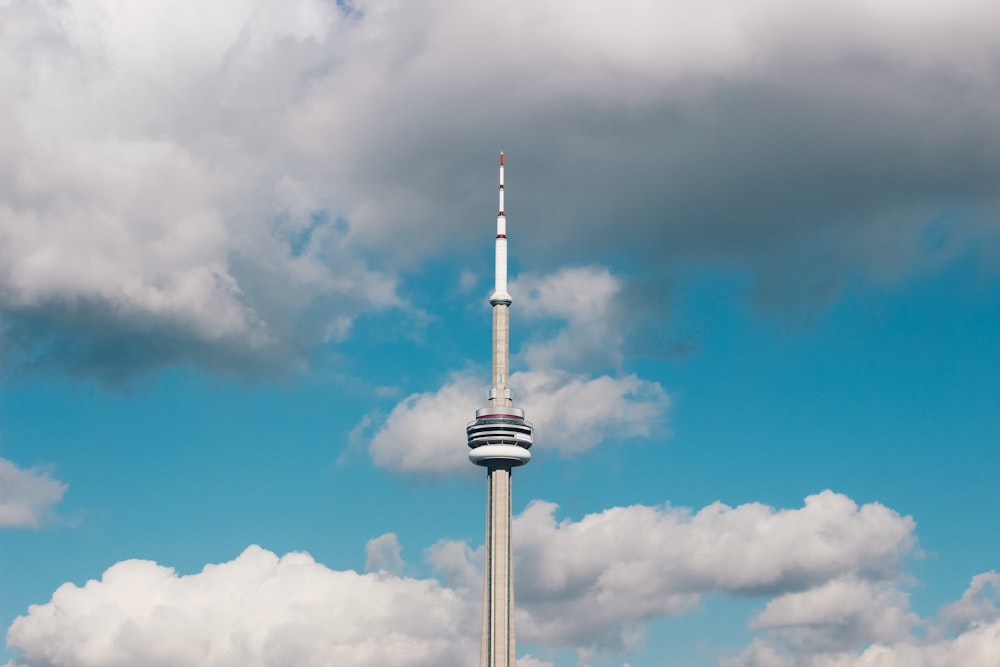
877	622
584	298
597	580
571	414
255	610
577	294
575	413
458	564
425	432
979	645
977	605
27	495
587	585
383	554
838	615
531	661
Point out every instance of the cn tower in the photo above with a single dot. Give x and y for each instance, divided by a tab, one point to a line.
499	438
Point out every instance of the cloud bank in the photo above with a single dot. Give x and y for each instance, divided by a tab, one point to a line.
236	203
597	580
831	573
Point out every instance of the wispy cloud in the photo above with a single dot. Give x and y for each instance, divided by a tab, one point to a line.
28	496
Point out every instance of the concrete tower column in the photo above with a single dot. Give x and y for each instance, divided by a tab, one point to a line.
501	356
498	596
499	439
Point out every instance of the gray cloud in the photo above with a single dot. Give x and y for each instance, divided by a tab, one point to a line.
149	214
253	193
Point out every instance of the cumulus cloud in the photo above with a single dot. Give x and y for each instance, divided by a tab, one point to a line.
831	631
588	585
148	217
572	412
27	495
977	605
457	563
257	609
237	203
979	645
423	433
594	582
840	614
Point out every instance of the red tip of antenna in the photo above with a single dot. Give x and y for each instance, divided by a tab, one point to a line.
501	159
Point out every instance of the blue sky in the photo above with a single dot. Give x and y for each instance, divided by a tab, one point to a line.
244	319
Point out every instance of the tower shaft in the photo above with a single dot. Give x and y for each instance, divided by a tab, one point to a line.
499	439
500	395
497	648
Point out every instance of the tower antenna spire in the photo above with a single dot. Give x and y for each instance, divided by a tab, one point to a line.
499	439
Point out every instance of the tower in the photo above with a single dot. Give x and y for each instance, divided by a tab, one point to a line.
499	438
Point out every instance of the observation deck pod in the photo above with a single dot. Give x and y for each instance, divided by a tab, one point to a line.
499	435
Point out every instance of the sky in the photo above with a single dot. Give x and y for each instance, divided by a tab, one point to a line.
245	255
